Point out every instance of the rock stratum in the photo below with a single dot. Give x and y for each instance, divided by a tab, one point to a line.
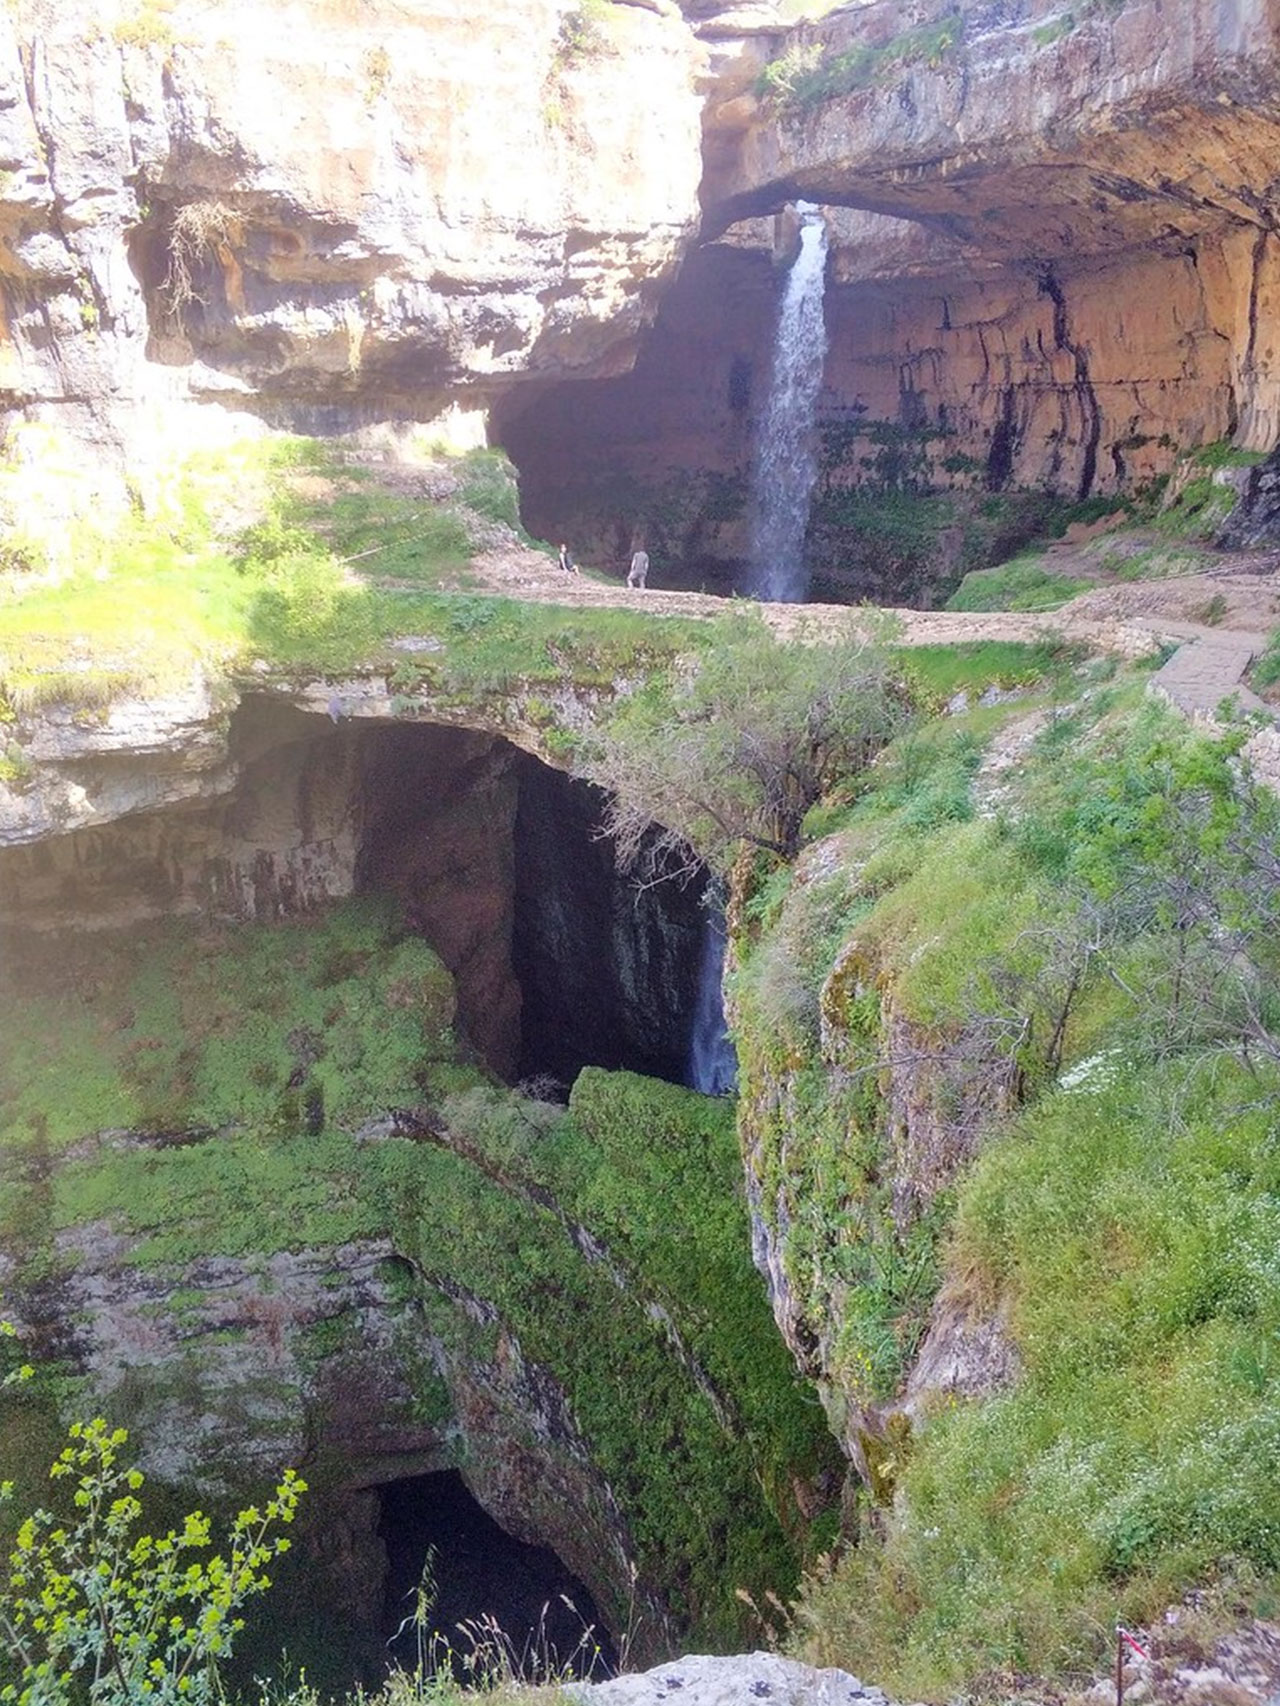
332	206
1054	257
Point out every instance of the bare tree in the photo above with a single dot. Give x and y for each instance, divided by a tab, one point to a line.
736	748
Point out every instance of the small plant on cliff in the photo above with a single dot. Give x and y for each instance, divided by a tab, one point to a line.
92	1609
737	753
198	230
792	69
584	32
801	78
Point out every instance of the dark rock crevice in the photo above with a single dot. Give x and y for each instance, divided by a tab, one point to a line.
481	1589
1085	396
608	970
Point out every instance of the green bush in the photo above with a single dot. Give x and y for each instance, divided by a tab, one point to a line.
489	486
737	754
91	1609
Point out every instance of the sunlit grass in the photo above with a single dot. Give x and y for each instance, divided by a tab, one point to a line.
279	553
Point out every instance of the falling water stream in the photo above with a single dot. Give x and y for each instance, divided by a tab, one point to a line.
713	1064
786	463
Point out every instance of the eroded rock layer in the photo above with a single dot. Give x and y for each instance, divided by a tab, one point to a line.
306	207
1054	268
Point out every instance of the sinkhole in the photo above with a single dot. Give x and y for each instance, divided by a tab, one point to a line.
489	1601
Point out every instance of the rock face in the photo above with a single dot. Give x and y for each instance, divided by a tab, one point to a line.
609	970
273	811
306	207
1010	190
226	1369
1257	519
324	221
856	1117
700	1680
258	1206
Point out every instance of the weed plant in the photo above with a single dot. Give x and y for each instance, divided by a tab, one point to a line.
1266	671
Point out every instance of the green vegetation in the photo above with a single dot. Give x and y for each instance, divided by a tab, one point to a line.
278	552
1099	952
293	1026
586	32
1197	503
1023	583
937	673
802	78
248	1061
147	23
1044	35
736	754
1224	454
92	1610
1266	670
1006	988
896	537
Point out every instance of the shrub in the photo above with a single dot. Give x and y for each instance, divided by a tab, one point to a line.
197	231
90	1606
738	752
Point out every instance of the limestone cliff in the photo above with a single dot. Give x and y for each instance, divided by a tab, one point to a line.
312	207
1054	267
328	219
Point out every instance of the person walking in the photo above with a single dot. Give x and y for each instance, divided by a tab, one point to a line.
637	573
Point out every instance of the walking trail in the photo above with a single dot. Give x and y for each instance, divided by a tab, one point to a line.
1131	619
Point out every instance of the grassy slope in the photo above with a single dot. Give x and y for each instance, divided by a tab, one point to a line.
277	1042
1128	1223
277	551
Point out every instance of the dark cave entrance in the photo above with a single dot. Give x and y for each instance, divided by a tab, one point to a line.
489	1591
560	961
608	970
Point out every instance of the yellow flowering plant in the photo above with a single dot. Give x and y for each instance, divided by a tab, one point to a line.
93	1610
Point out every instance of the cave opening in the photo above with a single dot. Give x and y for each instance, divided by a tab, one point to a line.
559	959
490	1601
608	969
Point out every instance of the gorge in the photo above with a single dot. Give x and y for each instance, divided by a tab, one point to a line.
356	1111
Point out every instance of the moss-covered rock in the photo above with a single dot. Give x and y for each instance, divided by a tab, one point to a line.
258	1210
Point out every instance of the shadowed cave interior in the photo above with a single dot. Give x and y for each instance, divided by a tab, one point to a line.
560	960
485	1591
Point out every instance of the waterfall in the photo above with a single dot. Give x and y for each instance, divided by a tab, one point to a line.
713	1065
786	462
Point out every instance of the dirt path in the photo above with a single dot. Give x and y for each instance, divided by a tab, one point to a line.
516	572
1240	595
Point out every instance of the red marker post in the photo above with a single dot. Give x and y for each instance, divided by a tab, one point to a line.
1125	1639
